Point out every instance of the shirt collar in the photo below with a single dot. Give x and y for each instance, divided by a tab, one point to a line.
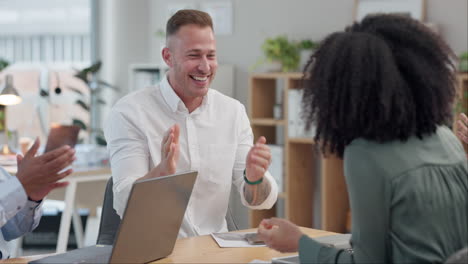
173	100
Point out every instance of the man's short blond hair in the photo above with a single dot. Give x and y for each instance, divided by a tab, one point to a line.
187	17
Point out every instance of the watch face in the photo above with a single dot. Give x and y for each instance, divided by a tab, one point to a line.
62	135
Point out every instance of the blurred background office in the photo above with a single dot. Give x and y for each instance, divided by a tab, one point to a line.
70	61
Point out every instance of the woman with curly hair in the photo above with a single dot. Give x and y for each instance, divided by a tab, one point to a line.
380	94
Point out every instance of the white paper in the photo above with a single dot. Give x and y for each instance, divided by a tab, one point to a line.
232	240
258	261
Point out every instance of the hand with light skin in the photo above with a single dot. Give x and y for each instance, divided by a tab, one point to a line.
169	154
258	160
280	234
40	175
170	151
462	130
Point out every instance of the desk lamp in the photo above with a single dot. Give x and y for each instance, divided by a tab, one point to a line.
8	96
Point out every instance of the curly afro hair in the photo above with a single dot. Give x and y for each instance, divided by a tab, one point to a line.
386	78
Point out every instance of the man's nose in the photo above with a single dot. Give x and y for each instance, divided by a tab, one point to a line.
204	65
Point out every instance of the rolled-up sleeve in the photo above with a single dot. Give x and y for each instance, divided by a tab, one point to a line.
245	143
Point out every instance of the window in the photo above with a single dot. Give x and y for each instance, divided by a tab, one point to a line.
46	31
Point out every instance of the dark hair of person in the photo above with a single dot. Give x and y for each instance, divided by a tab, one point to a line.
386	78
187	17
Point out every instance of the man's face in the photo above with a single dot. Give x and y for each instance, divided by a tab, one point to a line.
191	56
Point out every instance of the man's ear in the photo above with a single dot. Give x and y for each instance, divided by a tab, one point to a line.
167	56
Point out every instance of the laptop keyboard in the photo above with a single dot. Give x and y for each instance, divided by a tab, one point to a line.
93	254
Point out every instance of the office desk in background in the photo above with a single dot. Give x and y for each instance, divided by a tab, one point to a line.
79	175
203	249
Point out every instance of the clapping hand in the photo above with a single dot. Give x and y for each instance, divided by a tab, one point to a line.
39	175
169	151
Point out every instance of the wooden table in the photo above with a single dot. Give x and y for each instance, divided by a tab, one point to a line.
203	249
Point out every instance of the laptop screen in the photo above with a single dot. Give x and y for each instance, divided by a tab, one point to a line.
152	218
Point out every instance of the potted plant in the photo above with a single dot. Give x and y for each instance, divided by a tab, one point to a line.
95	86
306	48
90	102
281	52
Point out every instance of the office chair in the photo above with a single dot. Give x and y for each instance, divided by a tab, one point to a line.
461	256
110	221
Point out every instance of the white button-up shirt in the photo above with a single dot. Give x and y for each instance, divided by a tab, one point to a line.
214	140
18	215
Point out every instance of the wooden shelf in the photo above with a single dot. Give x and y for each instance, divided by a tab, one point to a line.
277	75
463	76
301	140
301	158
267	122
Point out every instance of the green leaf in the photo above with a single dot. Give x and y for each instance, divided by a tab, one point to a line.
75	90
281	50
83	105
83	74
108	85
79	123
101	141
3	64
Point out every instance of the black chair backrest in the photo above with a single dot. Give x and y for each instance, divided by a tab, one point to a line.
110	221
461	256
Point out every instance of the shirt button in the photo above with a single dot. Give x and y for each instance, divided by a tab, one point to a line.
18	208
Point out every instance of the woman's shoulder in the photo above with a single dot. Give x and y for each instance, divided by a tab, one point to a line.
440	148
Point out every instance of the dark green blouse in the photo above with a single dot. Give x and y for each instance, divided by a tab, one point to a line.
409	202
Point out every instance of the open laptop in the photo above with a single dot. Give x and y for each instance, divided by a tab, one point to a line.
149	227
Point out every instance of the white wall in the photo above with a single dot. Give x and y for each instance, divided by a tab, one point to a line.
123	39
452	19
255	20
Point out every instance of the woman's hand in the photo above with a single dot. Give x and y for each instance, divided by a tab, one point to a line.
280	234
462	130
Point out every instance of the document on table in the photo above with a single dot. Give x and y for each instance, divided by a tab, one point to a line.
229	240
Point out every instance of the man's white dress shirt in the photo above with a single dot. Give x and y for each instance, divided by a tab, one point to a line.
18	215
214	140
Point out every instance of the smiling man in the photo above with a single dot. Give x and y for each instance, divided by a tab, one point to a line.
181	124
